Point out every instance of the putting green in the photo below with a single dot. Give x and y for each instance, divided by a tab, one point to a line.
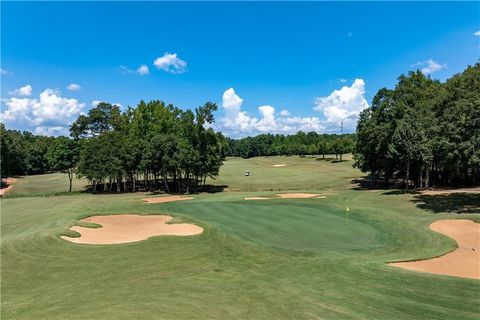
294	225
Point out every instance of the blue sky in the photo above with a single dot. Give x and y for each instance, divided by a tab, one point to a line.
271	67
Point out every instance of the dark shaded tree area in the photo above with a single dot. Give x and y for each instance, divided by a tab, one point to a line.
301	143
424	132
23	153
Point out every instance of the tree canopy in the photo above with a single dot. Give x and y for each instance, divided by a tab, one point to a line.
423	131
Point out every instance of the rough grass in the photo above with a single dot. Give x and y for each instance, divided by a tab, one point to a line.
44	185
272	259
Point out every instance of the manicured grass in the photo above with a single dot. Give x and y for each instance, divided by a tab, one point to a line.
273	259
298	173
44	184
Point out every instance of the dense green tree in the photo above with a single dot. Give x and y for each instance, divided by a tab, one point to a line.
423	131
62	155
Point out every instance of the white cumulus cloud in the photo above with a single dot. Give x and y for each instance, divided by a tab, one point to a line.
50	113
170	62
24	91
429	66
477	33
236	122
143	70
73	87
343	105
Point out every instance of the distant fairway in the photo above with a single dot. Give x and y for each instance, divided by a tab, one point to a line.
297	174
268	259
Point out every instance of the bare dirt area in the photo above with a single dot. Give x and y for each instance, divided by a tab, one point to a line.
463	261
164	199
129	228
433	192
8	182
299	195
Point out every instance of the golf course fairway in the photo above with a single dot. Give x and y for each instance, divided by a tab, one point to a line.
269	259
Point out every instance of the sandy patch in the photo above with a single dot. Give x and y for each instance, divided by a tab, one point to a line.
463	261
433	192
8	182
299	195
256	198
166	199
130	228
279	165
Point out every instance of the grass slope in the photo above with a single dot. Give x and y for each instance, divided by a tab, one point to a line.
44	184
274	259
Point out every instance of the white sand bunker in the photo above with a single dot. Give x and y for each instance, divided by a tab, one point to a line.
130	228
289	196
463	261
257	198
166	199
299	195
279	165
8	182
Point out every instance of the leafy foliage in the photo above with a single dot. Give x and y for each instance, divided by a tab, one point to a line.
423	131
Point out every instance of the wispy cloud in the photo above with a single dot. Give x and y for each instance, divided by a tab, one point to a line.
477	33
4	72
170	62
73	87
141	70
430	66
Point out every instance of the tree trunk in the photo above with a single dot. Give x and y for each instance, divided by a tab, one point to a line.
427	178
165	183
421	176
408	176
70	178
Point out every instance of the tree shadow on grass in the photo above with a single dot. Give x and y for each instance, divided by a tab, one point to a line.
366	183
213	188
331	160
459	203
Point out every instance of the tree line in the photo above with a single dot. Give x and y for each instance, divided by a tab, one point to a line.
153	146
424	132
301	143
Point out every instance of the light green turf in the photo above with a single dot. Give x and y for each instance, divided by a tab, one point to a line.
273	259
298	173
44	184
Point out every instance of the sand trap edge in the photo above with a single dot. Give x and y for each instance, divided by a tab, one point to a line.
460	274
162	224
166	199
